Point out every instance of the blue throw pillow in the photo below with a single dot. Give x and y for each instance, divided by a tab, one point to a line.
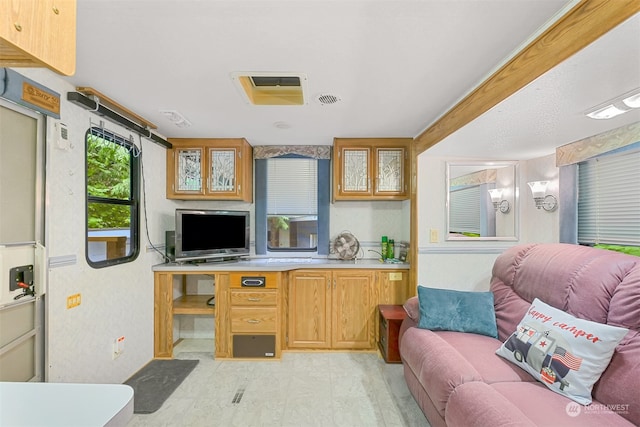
460	311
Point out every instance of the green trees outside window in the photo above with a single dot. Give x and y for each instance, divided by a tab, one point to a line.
112	198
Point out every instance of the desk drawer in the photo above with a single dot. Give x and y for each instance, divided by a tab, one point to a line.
252	298
253	319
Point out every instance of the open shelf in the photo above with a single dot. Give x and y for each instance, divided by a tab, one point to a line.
193	304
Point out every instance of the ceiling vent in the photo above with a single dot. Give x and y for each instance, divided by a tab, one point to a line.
269	88
327	99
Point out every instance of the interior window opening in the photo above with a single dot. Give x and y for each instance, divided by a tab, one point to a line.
292	210
112	171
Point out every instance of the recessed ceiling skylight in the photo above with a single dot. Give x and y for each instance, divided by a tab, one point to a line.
269	88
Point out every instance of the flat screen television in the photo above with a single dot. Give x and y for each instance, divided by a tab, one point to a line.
205	234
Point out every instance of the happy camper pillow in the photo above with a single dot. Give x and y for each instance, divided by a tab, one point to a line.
565	353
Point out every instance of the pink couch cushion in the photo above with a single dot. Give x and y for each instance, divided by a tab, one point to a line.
523	404
436	365
480	352
550	409
479	405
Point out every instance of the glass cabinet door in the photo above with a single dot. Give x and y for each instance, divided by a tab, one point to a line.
222	171
356	178
188	170
390	171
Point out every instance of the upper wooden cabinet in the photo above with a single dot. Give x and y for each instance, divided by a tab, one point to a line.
210	168
36	33
371	168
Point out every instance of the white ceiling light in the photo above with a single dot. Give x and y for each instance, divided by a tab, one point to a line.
632	101
606	113
616	106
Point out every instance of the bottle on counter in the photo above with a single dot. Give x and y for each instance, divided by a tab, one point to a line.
391	250
384	247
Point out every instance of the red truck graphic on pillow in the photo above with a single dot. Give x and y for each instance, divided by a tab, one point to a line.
541	351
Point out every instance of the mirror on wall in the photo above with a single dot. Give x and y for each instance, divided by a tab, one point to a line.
482	201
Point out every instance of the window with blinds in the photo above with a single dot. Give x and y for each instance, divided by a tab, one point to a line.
609	200
464	210
292	204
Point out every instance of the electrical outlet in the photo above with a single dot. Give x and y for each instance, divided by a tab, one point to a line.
433	235
73	300
395	276
118	347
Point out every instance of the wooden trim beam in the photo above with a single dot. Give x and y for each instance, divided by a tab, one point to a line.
116	106
586	22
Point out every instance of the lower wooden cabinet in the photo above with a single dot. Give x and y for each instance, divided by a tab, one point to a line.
254	315
337	309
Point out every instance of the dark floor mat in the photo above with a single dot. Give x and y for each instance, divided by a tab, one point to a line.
154	383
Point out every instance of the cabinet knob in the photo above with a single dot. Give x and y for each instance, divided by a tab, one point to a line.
17	26
253	299
55	10
253	321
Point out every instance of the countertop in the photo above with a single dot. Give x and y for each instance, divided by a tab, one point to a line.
281	264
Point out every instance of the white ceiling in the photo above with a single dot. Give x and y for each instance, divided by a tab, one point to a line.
396	66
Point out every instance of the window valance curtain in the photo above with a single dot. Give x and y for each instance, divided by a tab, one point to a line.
318	152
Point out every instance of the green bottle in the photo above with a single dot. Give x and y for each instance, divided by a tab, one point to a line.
391	250
384	246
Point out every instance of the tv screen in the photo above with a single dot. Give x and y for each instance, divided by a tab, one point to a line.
211	234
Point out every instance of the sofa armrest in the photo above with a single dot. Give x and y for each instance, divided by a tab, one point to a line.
412	307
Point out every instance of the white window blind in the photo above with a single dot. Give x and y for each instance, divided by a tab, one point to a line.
464	210
609	200
292	187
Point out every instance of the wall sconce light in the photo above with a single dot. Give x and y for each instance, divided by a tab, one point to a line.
498	202
548	202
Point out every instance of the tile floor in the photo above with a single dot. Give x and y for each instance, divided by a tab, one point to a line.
302	389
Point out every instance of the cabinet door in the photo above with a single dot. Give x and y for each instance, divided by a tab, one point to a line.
39	32
390	172
309	305
223	172
353	317
185	172
354	171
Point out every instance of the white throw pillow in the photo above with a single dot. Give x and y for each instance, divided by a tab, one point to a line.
565	353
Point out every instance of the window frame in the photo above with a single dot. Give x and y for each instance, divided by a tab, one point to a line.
610	229
324	200
133	202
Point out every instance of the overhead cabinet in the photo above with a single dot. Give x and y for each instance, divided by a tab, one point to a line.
371	168
210	168
36	33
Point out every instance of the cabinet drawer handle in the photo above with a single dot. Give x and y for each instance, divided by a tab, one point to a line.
253	321
253	299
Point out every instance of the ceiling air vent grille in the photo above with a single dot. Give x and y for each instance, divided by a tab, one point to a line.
327	99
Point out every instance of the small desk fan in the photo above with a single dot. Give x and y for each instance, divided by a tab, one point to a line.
346	246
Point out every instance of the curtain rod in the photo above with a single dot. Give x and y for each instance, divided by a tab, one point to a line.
89	104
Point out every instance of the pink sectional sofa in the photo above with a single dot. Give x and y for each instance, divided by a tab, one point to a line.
458	380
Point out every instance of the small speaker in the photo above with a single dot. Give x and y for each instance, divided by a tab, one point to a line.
170	245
